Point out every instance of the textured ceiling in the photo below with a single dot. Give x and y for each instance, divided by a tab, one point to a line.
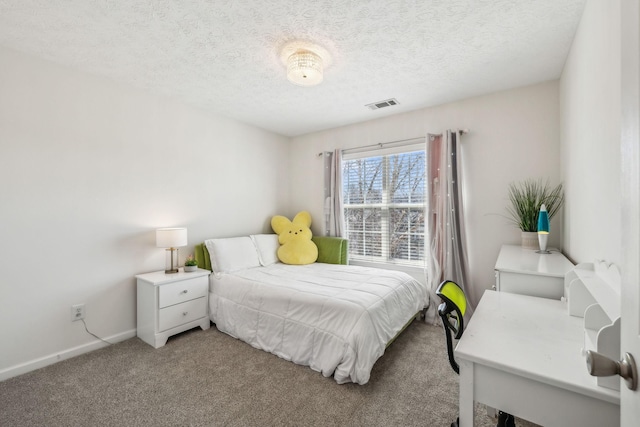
224	55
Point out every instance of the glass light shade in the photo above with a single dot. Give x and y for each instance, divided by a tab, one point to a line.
543	220
171	237
304	68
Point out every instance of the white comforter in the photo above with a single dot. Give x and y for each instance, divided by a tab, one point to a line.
336	319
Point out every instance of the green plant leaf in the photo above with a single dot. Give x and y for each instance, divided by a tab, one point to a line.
527	196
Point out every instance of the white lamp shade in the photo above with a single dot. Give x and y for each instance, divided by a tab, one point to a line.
171	237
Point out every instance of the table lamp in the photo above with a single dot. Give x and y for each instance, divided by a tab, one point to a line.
543	229
171	239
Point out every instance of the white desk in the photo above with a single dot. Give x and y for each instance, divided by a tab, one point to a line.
523	355
526	272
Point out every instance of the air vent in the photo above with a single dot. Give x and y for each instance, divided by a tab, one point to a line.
382	104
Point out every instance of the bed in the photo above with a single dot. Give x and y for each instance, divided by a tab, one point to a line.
335	318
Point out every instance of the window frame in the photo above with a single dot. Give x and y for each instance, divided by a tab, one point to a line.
385	151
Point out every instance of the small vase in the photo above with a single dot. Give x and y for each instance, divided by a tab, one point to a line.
189	268
530	240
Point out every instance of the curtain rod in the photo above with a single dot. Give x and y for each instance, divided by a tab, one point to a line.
384	144
399	142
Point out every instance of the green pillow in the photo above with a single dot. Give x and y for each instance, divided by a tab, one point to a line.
331	250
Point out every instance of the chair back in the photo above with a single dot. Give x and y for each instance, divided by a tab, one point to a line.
451	311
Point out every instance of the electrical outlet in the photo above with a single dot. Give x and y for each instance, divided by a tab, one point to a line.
77	312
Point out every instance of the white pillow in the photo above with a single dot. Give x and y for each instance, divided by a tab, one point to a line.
232	254
267	245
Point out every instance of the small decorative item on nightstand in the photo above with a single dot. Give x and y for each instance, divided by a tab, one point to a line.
190	264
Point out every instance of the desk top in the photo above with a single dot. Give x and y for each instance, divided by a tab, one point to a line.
531	337
516	259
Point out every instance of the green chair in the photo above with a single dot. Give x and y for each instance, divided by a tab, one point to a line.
451	311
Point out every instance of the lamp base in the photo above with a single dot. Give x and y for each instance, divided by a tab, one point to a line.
171	261
542	241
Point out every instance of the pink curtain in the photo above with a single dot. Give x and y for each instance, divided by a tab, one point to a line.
446	231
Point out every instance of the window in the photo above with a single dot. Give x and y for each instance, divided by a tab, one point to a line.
384	206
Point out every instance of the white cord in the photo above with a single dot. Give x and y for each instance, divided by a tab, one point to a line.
91	333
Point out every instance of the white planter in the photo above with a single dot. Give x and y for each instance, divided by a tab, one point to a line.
189	268
530	240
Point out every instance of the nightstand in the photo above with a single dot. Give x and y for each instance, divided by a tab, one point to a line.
171	303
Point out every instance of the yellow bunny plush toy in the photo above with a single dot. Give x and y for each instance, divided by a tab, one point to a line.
294	236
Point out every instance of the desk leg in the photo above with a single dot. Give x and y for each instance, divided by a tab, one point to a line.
466	393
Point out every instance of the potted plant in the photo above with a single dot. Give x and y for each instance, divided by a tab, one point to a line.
526	197
190	264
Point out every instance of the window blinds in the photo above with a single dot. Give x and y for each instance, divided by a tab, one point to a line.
384	204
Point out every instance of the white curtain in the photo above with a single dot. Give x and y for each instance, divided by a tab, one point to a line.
334	212
446	240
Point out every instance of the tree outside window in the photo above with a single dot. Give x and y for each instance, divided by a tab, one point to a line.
384	207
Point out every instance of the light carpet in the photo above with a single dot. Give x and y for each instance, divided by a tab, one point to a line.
207	378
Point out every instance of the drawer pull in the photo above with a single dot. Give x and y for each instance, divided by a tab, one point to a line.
184	292
184	313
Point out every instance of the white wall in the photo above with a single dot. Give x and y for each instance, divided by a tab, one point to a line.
590	117
513	135
89	169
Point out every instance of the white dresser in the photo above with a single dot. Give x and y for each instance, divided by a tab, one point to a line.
526	272
171	303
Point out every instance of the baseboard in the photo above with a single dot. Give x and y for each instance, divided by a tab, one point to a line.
41	362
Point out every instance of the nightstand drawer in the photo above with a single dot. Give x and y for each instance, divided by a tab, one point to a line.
184	290
179	314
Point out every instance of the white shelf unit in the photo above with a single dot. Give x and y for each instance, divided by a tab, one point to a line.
593	291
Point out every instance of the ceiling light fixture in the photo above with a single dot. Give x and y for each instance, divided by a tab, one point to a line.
305	62
304	68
